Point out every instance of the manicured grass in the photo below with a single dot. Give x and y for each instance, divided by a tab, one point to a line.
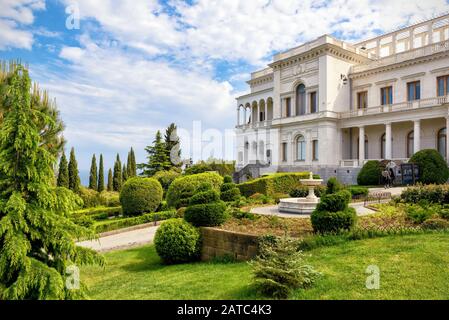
411	267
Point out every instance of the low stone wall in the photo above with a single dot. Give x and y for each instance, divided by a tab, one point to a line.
222	243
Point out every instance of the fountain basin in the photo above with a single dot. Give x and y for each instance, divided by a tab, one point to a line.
297	205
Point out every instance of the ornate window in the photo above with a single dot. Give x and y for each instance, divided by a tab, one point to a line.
300	99
300	148
410	144
441	142
413	90
313	102
442	85
362	100
386	95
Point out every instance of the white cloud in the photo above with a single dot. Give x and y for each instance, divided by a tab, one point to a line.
14	15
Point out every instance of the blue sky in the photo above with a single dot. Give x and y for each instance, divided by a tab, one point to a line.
133	67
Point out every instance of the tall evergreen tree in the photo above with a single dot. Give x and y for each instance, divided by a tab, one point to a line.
172	145
157	157
131	164
74	178
117	179
50	132
93	183
100	186
63	172
110	178
36	235
124	173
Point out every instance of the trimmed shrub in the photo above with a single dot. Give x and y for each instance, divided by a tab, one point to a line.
334	202
180	212
166	178
274	183
221	167
280	268
370	174
437	194
119	223
333	222
227	179
140	195
183	188
432	166
207	214
176	241
109	198
333	185
230	195
90	197
358	191
303	191
435	224
204	197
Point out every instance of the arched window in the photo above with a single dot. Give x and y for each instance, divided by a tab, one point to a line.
382	146
300	148
366	147
300	99
441	142
410	144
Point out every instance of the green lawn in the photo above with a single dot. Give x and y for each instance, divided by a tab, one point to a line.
411	267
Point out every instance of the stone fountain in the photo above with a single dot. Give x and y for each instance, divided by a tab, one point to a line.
302	205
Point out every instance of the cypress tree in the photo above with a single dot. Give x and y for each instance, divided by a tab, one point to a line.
93	183
172	145
74	178
36	235
100	186
117	178
63	172
157	157
124	173
131	165
110	185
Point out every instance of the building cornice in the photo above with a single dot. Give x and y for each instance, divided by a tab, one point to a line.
254	93
317	52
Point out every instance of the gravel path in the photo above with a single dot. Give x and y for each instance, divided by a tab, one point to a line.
122	240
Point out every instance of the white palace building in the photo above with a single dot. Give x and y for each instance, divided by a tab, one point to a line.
328	106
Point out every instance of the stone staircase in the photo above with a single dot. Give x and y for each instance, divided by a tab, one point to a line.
252	170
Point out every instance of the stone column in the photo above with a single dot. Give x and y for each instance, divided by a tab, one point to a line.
361	145
416	136
388	146
266	111
238	116
244	116
447	139
258	112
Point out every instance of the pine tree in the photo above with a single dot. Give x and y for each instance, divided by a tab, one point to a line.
49	132
117	179
110	178
36	234
74	178
124	173
172	145
93	184
131	164
100	186
63	172
157	157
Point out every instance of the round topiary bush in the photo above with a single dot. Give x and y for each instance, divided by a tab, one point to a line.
206	214
140	195
227	179
184	187
334	202
370	174
176	241
432	166
229	190
166	177
204	197
333	222
333	185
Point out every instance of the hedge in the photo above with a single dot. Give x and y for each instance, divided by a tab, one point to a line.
432	166
333	222
274	183
437	194
207	214
140	195
183	188
115	224
110	211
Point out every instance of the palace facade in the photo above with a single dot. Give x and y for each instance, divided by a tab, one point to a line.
328	106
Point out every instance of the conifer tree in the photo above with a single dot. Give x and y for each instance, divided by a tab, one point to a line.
157	157
131	165
93	183
63	172
117	179
124	174
74	178
100	186
172	145
36	234
110	178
